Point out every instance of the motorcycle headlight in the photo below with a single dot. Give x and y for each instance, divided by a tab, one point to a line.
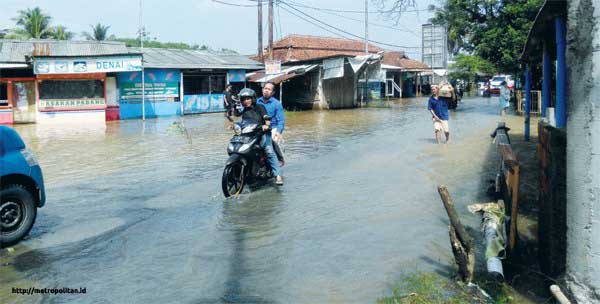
237	129
230	148
245	147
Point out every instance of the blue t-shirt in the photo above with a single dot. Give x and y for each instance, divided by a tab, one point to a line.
439	107
275	110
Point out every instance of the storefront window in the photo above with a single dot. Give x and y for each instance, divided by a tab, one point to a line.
203	84
71	89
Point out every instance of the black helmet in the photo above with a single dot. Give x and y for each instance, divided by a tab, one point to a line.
246	92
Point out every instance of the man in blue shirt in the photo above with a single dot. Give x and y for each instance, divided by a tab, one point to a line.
275	111
438	107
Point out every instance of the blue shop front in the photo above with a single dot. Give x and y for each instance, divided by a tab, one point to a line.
161	91
181	82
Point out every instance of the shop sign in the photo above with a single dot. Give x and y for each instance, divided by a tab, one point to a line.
153	90
272	67
71	104
236	75
87	65
203	103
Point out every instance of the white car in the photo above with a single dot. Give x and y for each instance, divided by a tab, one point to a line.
497	80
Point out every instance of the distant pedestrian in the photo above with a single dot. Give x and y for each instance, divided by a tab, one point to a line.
228	102
504	99
438	107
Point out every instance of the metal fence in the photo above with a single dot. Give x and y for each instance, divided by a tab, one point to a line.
535	106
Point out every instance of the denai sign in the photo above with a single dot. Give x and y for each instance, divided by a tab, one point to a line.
105	64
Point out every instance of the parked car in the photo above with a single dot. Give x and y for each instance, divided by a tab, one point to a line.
21	188
497	80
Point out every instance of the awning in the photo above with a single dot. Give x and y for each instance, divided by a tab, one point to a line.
286	73
441	72
12	65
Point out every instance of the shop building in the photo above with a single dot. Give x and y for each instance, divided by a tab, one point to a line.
181	82
47	81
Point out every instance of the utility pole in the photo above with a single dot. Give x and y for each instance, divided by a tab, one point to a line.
271	29
260	34
367	27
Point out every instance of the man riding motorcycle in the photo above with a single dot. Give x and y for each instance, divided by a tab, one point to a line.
257	113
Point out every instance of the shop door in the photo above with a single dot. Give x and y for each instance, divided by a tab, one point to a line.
23	101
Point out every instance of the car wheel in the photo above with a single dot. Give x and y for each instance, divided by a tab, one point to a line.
17	214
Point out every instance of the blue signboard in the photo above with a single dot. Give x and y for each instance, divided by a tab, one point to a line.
237	75
203	103
161	91
151	75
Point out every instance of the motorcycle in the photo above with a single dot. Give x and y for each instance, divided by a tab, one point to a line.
247	163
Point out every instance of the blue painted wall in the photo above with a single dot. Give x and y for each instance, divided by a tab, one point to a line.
155	106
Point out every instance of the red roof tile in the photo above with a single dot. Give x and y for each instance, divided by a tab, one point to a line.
400	60
303	47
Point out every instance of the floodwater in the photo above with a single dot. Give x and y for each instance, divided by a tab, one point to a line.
135	211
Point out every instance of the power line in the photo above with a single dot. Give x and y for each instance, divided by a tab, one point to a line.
346	32
358	20
234	4
354	11
279	20
315	24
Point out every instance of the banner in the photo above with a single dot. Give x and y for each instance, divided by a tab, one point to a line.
203	103
272	67
153	90
49	65
50	105
160	85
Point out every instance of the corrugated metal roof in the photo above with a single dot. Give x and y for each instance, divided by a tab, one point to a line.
18	50
194	59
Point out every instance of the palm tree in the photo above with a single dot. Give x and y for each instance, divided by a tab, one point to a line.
99	32
60	32
33	23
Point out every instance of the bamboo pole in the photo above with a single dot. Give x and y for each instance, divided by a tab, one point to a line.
460	240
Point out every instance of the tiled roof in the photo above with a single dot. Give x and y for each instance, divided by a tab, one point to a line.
398	59
18	50
194	59
303	47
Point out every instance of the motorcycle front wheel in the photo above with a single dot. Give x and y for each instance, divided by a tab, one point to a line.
233	180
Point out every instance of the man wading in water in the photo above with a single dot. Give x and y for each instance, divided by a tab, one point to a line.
439	110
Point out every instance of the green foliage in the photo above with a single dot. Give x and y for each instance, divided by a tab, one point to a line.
99	33
60	32
495	30
425	288
134	42
467	67
32	23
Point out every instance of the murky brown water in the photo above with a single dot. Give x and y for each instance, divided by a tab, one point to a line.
135	211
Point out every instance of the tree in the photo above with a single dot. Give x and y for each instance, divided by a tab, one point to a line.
393	9
60	32
495	30
32	23
467	67
135	42
99	33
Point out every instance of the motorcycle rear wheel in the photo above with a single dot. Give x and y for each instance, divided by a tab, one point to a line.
233	180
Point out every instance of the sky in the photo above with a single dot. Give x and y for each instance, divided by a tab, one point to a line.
218	25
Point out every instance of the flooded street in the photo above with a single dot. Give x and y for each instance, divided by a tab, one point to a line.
135	209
